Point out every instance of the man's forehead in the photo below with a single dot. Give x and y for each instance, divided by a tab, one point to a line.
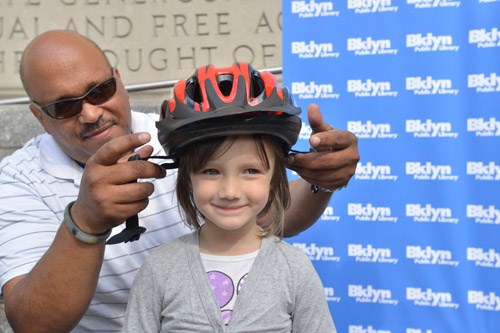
65	79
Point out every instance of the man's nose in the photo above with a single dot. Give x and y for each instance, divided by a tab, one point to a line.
90	113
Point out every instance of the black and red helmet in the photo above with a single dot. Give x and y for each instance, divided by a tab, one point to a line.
216	102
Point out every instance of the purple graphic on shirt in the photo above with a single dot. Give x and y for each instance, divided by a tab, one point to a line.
226	316
222	287
241	283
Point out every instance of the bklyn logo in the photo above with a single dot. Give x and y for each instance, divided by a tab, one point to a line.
429	256
329	215
428	214
312	49
483	127
428	171
370	130
484	301
430	298
485	39
370	254
430	86
317	253
480	257
367	329
483	83
482	171
369	294
370	88
312	90
483	215
370	213
430	129
330	295
422	4
370	46
370	171
308	9
371	6
430	43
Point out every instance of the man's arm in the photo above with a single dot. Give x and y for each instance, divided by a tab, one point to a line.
55	294
305	209
58	290
330	167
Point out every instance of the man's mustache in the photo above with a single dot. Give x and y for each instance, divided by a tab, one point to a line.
90	128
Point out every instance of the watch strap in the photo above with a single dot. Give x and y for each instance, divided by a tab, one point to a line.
79	234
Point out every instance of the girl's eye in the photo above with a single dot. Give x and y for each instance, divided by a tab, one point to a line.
252	171
211	172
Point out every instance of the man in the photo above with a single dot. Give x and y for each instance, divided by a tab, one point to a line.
53	279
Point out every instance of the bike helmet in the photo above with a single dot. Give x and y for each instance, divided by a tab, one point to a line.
216	102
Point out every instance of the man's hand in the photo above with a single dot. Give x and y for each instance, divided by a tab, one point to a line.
109	193
336	154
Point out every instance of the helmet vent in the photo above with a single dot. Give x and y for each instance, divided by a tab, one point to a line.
193	90
225	83
257	85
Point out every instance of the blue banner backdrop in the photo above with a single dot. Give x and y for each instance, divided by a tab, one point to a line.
413	244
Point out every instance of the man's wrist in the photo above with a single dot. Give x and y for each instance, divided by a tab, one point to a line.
78	233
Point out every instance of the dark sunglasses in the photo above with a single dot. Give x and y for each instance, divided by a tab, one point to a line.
70	107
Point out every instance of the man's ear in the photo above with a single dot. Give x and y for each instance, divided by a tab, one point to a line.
116	72
38	115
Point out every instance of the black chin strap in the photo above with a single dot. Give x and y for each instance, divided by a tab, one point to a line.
132	232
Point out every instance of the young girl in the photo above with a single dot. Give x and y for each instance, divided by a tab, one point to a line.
229	130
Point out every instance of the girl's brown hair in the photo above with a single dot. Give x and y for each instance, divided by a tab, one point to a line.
195	156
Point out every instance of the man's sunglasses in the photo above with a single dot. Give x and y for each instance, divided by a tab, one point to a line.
66	108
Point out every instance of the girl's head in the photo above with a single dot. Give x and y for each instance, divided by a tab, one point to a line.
260	179
209	113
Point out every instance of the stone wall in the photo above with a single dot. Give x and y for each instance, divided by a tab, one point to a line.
18	126
148	40
4	325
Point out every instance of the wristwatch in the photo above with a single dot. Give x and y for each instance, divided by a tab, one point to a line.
79	234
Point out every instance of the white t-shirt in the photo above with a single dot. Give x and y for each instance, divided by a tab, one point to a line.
226	275
38	181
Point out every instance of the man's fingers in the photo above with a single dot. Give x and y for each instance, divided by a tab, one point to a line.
327	169
316	119
121	212
331	178
134	192
131	171
327	160
318	161
143	152
333	140
324	136
115	149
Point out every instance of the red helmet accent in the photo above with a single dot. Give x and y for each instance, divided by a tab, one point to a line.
225	101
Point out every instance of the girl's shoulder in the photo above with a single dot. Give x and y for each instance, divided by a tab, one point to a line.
174	250
292	253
